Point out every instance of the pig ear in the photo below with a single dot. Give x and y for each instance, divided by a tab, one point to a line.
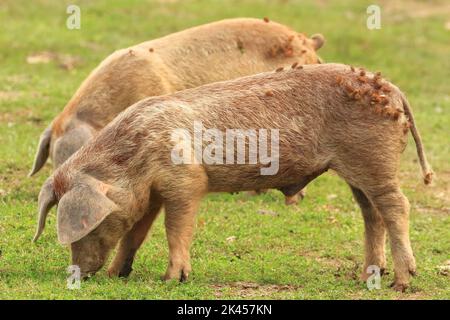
318	41
47	199
69	143
42	152
80	211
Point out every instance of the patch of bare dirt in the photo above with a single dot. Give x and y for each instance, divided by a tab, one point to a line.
330	262
10	95
444	269
435	210
64	61
252	289
41	57
413	296
414	8
20	115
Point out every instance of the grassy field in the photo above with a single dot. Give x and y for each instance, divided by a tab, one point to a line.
245	247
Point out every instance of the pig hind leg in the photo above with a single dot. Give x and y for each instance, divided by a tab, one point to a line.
394	209
130	243
375	234
385	196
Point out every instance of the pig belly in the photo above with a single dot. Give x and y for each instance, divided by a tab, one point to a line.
245	177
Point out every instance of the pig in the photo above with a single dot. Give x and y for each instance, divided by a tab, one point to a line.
329	117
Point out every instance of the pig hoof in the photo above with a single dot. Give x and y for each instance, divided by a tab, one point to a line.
166	277
112	273
181	276
127	267
184	276
291	200
125	272
302	194
400	287
84	276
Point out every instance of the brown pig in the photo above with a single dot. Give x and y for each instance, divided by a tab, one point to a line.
112	189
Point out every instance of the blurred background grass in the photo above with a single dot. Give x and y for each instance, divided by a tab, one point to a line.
314	250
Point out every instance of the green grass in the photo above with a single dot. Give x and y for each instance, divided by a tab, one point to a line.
314	250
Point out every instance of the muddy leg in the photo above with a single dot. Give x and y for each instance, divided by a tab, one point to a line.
130	243
375	234
394	209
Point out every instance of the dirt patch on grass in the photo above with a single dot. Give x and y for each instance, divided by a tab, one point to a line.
64	61
251	289
348	268
444	269
433	210
20	116
330	262
10	95
414	8
362	295
413	296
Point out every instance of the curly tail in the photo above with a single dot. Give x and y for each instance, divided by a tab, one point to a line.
426	169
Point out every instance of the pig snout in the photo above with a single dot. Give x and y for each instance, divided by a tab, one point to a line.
88	256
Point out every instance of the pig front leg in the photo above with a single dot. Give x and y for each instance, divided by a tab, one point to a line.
130	243
179	223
